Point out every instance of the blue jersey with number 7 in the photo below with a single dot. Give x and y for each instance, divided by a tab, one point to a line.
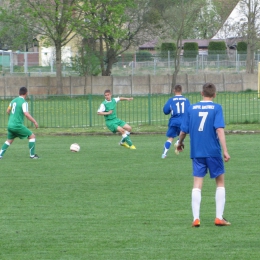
201	121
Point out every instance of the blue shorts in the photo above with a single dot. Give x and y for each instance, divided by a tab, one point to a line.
173	131
214	165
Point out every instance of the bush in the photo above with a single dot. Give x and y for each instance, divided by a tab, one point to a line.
241	47
86	63
168	47
191	49
217	48
143	56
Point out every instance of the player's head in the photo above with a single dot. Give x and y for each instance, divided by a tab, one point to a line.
22	91
209	90
107	94
177	89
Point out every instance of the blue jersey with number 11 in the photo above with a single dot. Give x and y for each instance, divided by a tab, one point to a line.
177	107
201	122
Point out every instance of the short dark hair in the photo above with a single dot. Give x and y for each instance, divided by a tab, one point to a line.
107	91
209	90
23	91
178	88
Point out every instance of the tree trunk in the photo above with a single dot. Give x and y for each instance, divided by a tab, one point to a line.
250	64
59	69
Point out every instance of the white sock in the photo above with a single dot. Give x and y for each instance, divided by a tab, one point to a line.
195	203
220	201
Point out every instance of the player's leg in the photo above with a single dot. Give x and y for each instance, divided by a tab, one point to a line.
199	172
127	129
177	131
216	169
125	137
32	140
5	146
167	146
172	132
23	133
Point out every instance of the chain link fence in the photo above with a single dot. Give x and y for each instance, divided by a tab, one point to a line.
137	63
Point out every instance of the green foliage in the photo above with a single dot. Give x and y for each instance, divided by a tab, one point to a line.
86	62
106	23
126	57
143	56
217	50
168	47
217	47
241	47
191	49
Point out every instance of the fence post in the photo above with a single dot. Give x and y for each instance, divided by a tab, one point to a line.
258	88
169	61
242	82
70	87
25	62
224	81
112	83
218	61
90	109
149	84
149	109
32	107
11	63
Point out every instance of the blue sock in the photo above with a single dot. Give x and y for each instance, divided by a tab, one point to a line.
167	146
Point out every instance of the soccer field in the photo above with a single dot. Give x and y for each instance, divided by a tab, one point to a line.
109	202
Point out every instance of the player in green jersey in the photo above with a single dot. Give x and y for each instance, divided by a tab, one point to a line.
17	109
114	124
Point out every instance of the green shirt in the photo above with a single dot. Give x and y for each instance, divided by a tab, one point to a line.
109	105
18	107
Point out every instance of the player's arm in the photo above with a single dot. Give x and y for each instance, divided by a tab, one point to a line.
29	117
8	110
27	114
167	108
180	145
101	111
222	140
105	113
124	98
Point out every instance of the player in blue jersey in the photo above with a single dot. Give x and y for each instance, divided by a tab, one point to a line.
17	109
176	106
114	124
204	122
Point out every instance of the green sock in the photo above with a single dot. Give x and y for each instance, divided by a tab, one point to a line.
128	140
4	148
32	147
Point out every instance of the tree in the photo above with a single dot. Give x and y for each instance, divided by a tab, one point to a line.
251	29
114	24
54	21
246	26
14	32
179	19
207	23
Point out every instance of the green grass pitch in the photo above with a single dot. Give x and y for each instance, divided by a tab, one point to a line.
109	202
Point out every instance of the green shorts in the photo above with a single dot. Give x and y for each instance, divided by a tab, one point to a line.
114	123
19	131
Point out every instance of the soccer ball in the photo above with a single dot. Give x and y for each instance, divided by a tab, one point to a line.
74	148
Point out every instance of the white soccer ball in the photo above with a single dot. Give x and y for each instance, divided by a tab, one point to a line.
75	148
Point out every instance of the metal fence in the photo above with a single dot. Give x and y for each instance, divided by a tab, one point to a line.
81	111
32	64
